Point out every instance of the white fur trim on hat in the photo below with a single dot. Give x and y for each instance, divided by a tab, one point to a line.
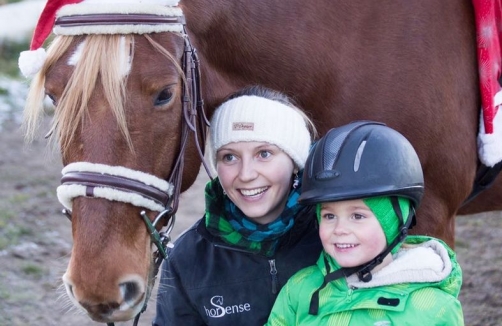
30	62
490	144
254	118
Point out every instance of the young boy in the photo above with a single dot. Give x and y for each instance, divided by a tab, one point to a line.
366	181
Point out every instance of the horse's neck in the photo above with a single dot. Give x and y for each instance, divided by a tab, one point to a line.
302	49
215	85
241	43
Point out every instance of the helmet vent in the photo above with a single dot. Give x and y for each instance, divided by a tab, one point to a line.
359	155
326	175
333	145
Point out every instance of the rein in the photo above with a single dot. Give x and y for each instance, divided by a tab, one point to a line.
134	187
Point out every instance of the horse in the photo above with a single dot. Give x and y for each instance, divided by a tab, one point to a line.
126	103
102	129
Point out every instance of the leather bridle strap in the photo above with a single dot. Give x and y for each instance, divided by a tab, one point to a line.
193	108
117	19
203	121
92	180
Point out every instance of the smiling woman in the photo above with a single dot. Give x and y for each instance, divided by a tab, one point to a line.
254	235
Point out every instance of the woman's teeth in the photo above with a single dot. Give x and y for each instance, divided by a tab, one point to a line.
253	192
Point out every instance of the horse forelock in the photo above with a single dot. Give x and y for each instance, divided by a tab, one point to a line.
98	63
97	60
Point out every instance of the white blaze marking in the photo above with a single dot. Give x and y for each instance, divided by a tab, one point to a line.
75	57
124	56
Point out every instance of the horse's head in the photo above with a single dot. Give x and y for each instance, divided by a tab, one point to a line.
124	130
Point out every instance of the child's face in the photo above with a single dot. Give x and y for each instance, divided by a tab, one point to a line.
350	232
256	177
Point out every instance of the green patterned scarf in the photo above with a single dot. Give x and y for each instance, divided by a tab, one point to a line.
226	221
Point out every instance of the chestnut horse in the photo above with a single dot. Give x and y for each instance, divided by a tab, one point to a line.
126	108
409	64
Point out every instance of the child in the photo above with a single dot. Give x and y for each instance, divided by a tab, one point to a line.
366	182
229	267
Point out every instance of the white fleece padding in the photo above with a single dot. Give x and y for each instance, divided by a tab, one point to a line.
158	8
490	145
120	171
118	29
66	194
427	262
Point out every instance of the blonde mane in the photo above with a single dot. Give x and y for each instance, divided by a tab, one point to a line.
99	62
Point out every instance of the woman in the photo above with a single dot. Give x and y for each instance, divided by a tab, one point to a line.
228	268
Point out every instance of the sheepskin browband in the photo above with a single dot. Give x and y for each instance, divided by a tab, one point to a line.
81	179
81	18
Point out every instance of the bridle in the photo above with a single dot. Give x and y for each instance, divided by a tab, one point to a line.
135	187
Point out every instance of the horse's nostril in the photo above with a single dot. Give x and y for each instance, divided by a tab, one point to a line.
130	291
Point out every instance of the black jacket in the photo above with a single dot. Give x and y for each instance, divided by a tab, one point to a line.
207	282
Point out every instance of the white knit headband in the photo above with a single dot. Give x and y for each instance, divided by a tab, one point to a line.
254	118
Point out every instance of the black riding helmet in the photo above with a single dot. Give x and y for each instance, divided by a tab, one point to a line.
360	160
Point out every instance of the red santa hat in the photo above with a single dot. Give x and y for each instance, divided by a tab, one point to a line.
488	18
31	61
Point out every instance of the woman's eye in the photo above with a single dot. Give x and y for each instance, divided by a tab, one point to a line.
265	154
228	158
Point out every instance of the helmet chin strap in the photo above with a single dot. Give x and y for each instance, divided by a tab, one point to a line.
364	271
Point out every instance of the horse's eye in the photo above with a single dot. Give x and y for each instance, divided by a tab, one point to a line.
53	99
164	97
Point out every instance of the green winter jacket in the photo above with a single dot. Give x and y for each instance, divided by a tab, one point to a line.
419	287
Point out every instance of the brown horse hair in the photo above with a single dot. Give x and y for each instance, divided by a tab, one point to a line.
99	59
168	55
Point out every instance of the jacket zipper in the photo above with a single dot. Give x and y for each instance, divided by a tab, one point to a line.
273	273
271	262
348	298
